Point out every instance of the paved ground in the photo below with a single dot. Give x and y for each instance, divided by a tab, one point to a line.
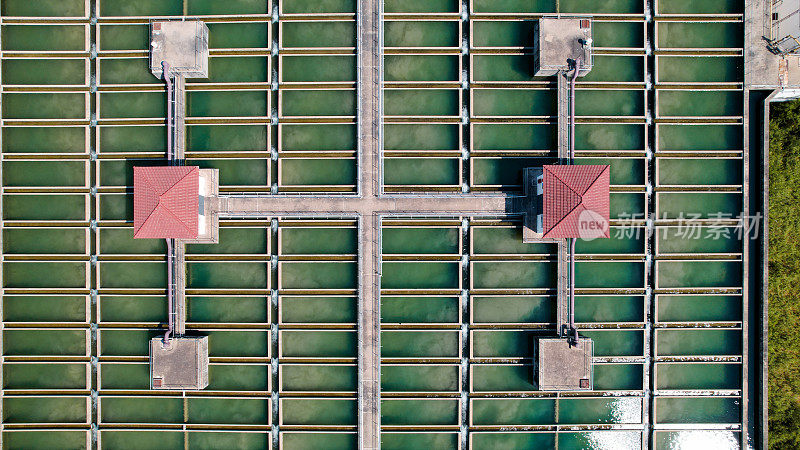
761	66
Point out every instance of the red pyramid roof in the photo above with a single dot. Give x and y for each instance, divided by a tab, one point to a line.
165	202
571	190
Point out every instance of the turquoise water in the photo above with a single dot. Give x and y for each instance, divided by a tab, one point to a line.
44	37
419	344
700	103
698	376
296	172
44	106
409	240
421	68
428	102
318	103
421	6
303	241
513	102
687	308
685	171
44	308
699	274
421	171
421	34
44	139
419	440
74	8
317	68
707	7
698	342
497	378
523	309
411	378
318	34
421	137
699	68
44	71
309	441
419	309
698	410
432	412
420	275
513	137
700	35
44	376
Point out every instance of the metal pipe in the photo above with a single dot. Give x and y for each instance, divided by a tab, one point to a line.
572	288
170	321
168	80
572	333
572	111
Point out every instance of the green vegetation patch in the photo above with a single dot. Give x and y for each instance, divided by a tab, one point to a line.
784	277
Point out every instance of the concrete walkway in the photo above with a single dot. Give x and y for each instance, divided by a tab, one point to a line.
368	206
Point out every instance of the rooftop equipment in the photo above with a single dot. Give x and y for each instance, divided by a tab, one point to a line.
784	27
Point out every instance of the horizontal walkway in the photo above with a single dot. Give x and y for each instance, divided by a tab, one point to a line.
368	208
268	206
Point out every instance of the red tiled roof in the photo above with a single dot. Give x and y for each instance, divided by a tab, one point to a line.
571	190
165	202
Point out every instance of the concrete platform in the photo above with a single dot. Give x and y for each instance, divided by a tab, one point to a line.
182	44
763	69
532	203
183	365
558	40
208	221
564	368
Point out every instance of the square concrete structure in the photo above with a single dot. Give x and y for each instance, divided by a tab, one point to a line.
559	41
564	368
181	365
182	44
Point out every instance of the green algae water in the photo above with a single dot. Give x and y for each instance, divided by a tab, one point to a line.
460	305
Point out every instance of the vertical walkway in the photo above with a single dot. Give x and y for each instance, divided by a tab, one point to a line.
180	287
179	130
562	293
370	45
562	97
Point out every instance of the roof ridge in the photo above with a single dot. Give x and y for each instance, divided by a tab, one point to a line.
580	202
147	218
567	184
599	174
565	217
176	183
175	216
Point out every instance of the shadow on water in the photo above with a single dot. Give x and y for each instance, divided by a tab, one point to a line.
525	65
